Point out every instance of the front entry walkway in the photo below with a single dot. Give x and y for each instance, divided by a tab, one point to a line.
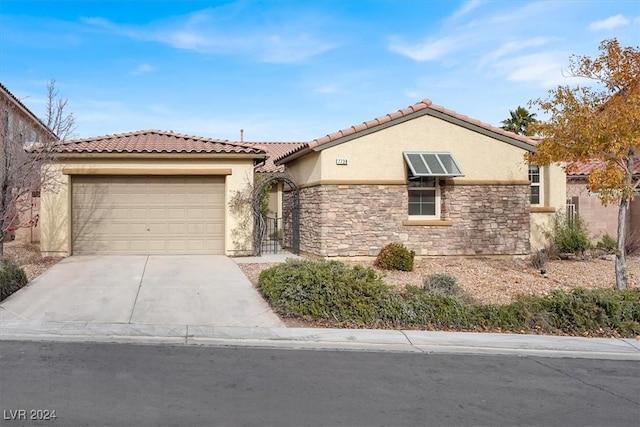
206	290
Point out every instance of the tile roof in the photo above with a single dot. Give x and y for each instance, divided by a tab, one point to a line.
155	141
583	169
423	105
274	150
28	111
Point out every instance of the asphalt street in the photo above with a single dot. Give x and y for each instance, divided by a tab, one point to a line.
126	384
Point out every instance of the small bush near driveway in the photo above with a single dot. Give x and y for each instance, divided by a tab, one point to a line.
331	293
12	278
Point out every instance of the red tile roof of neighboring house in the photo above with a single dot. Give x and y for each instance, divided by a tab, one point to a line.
424	105
154	141
583	169
274	150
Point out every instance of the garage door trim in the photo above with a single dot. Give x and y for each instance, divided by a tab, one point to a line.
147	171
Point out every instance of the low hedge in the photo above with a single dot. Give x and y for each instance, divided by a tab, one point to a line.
327	290
12	278
331	292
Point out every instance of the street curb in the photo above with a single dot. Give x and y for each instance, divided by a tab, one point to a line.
426	342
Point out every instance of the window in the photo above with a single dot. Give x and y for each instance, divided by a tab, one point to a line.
535	179
424	170
424	196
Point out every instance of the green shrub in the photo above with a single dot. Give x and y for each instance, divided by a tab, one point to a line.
327	290
395	256
441	284
331	292
12	278
424	309
568	236
608	244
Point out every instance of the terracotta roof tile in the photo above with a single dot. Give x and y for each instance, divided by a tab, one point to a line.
378	121
154	141
583	169
274	150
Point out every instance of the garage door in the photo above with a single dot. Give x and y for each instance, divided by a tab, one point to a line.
148	215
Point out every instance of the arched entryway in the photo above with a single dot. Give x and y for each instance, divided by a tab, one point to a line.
282	231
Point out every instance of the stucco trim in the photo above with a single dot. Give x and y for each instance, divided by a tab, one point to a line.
145	171
542	209
487	182
435	222
355	182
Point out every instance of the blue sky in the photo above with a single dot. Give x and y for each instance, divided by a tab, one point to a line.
293	70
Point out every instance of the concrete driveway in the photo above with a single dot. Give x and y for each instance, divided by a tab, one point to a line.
167	290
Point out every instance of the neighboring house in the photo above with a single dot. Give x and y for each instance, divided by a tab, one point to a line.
19	124
147	192
599	219
437	181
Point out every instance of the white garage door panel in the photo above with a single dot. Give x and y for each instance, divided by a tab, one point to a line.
148	215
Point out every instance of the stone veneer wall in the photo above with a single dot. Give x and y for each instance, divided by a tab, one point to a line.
358	220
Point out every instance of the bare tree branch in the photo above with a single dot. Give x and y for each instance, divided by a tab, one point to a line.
25	148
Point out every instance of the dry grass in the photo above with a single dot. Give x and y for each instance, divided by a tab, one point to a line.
499	281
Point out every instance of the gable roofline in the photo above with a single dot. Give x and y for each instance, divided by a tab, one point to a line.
424	107
142	141
27	111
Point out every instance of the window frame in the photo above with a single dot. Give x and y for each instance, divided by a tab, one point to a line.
539	185
435	189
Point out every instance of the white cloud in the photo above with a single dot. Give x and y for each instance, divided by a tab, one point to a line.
610	23
511	47
427	51
143	69
466	8
285	42
546	69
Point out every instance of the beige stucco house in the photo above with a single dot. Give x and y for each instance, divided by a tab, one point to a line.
147	192
437	181
20	125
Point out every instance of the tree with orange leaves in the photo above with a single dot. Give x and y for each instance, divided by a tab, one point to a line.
599	123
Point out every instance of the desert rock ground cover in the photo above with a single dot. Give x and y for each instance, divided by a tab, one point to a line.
28	257
499	281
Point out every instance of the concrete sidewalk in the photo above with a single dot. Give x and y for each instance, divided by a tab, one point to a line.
328	339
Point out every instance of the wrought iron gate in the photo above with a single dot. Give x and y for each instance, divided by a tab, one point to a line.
275	234
272	240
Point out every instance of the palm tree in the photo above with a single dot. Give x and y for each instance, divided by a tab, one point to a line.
519	121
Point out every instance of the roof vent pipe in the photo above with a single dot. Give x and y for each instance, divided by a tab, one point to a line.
241	135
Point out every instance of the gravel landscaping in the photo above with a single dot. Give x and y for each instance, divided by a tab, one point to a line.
498	281
495	281
28	257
